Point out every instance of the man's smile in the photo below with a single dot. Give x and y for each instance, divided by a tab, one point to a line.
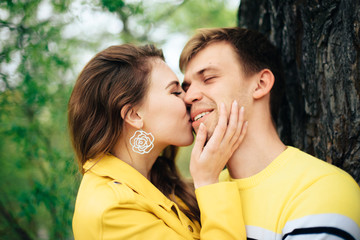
199	116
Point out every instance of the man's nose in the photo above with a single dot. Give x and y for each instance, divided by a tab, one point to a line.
192	94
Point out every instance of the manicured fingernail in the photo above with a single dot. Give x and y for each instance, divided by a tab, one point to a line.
235	102
242	109
201	126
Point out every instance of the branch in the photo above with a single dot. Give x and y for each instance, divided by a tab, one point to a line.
13	223
169	12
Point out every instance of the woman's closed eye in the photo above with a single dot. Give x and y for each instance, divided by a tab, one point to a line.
175	88
177	93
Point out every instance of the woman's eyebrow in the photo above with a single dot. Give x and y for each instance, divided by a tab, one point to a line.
172	83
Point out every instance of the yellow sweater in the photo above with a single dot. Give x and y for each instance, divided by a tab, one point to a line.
299	197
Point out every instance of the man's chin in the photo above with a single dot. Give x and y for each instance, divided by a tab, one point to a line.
195	130
208	134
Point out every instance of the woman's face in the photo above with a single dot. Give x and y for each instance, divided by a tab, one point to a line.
164	111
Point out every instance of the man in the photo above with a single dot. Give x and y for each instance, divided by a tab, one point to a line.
285	193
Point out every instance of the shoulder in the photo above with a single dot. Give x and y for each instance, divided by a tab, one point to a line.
317	175
310	167
331	200
97	194
320	187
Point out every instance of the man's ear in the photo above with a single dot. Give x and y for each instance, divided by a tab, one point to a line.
132	117
265	81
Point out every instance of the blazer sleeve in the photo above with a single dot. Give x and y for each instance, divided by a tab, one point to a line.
221	212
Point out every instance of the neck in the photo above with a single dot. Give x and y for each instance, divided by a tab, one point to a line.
259	148
141	162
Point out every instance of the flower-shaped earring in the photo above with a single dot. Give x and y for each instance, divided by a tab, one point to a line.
142	142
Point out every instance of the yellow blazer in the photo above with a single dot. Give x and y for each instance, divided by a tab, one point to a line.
115	201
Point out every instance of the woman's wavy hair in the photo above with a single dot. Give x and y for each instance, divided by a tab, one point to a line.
116	77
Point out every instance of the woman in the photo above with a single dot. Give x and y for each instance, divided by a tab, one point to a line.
125	110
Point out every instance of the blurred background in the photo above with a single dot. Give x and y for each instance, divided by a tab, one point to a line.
43	46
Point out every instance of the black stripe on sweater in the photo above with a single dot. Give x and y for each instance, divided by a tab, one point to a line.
319	230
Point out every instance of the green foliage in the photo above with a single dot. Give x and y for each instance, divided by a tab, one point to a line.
38	183
143	19
38	171
113	5
202	14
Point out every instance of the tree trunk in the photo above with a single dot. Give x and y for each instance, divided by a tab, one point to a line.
320	46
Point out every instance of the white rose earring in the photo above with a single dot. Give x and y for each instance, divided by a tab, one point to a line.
142	142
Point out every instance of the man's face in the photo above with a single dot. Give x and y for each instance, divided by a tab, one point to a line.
214	76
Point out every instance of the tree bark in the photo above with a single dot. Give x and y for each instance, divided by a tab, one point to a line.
320	45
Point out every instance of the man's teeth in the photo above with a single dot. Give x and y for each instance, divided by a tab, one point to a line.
197	117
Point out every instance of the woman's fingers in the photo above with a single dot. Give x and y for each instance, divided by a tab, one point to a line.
199	141
228	133
233	126
220	128
207	161
242	135
239	126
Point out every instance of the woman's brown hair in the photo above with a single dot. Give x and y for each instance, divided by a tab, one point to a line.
116	77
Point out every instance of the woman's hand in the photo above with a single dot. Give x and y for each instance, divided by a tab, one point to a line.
208	161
